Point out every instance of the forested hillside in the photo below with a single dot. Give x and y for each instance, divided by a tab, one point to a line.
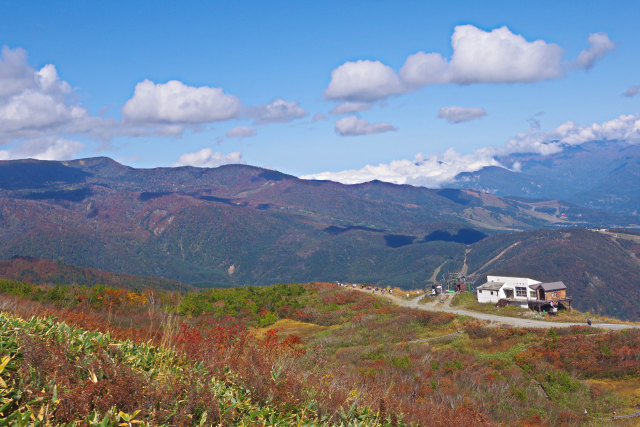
41	271
239	224
601	270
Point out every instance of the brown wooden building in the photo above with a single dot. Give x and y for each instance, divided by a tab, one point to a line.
550	295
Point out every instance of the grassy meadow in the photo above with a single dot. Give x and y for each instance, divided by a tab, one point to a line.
292	354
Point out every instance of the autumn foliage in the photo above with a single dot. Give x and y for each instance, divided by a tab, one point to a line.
371	361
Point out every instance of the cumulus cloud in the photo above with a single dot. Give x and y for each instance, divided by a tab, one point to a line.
631	91
207	158
350	107
44	149
478	57
496	56
455	114
422	69
175	102
36	103
363	81
279	111
437	170
499	56
599	45
15	73
353	126
241	132
33	111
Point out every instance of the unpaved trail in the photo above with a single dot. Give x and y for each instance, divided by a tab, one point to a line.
434	276
465	266
495	258
493	319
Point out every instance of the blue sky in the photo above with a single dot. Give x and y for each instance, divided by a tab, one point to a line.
163	83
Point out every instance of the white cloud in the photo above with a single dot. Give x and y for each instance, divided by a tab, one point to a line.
437	170
241	132
599	45
15	73
429	171
207	158
36	103
497	56
631	91
350	107
34	110
422	68
175	102
623	128
44	149
352	126
279	111
363	80
48	81
456	114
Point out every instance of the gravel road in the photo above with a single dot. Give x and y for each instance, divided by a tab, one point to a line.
494	319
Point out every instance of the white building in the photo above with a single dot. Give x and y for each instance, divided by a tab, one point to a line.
516	289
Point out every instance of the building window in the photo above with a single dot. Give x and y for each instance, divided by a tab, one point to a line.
479	291
521	292
532	294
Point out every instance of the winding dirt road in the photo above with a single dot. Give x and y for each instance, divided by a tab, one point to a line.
493	319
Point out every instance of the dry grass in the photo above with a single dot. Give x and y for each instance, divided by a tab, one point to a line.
286	327
407	294
627	389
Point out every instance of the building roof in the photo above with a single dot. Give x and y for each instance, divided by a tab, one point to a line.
553	286
491	286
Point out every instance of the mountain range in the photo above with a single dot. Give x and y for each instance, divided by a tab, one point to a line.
242	225
598	174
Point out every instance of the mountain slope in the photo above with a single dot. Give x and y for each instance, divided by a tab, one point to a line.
41	271
601	270
239	224
599	174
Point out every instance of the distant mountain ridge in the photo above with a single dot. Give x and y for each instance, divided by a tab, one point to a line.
599	174
243	225
48	272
